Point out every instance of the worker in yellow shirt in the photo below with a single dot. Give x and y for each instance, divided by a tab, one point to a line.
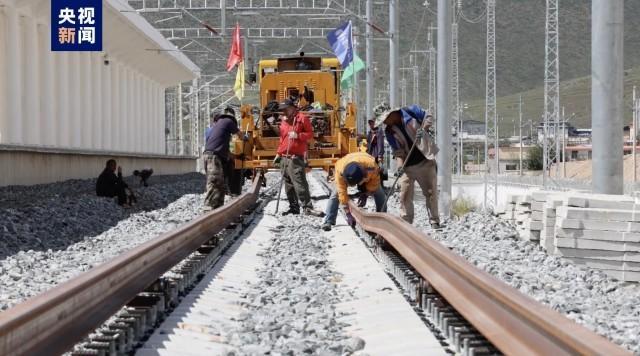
358	168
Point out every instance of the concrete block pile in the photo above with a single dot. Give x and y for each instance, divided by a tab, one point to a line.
549	215
518	212
602	232
595	230
534	225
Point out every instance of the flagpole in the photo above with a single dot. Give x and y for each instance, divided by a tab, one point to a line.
354	81
244	64
353	94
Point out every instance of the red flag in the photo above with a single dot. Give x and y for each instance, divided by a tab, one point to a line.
235	55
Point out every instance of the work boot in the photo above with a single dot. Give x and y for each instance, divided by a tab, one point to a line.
291	211
326	226
207	208
313	212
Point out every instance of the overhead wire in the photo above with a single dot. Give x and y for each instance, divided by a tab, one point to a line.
477	19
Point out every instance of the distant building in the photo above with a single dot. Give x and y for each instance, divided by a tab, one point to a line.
472	131
473	127
508	158
566	128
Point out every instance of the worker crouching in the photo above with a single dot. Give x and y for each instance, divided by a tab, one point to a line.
359	169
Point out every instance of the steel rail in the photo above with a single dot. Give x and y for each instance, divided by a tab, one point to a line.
52	322
513	322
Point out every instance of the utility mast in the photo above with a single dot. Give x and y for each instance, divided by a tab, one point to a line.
432	71
416	78
551	142
491	117
455	92
394	52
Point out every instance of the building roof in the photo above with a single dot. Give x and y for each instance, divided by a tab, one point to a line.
130	38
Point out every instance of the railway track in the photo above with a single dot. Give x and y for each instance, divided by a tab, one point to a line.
149	280
52	322
514	323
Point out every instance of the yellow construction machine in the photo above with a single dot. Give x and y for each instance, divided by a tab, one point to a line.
315	83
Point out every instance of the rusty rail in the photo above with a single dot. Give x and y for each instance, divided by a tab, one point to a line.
513	322
52	322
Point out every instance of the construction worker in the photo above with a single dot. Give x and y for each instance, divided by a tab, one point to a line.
375	147
403	127
111	185
295	131
358	168
217	156
375	141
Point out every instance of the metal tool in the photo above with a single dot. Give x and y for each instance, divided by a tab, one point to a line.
282	175
393	186
246	131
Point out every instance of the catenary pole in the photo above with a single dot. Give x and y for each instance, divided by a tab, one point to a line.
444	105
180	126
607	28
520	128
369	59
394	52
223	18
635	132
564	145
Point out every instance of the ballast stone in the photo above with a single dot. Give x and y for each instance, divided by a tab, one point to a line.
587	295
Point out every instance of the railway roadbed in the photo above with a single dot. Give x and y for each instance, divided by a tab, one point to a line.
286	287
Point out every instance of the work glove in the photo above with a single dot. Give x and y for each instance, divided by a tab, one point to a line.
293	135
362	200
276	161
419	134
399	172
350	219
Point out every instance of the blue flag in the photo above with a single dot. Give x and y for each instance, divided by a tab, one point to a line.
341	42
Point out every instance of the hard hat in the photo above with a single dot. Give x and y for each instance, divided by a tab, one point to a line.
353	173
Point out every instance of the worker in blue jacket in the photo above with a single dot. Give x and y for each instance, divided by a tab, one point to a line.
402	127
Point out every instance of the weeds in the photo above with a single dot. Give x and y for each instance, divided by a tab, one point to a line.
462	206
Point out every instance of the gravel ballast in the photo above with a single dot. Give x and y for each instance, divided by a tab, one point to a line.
585	295
54	232
291	311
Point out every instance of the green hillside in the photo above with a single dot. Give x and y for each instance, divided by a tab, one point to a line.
519	42
575	96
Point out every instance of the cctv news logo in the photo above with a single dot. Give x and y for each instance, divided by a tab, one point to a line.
76	25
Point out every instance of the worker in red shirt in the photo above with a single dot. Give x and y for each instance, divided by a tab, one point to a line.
295	131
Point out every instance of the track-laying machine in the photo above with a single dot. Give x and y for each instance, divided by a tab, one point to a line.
315	83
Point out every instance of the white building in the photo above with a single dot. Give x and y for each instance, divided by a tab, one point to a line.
90	103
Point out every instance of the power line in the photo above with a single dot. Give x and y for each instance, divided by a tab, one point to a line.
477	19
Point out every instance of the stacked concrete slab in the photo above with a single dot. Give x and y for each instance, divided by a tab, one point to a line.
518	211
595	230
549	215
602	232
534	226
